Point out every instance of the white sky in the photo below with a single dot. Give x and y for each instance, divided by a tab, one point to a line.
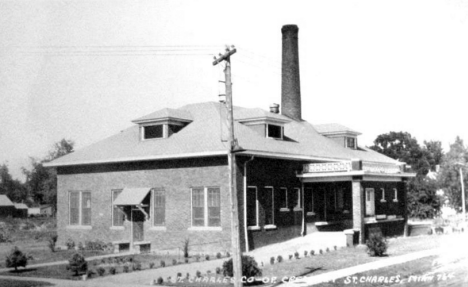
84	69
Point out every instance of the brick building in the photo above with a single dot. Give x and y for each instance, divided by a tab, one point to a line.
165	179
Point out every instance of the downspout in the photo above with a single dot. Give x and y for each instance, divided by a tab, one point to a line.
245	205
303	233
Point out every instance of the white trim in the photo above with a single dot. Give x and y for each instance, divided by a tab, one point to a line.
257	210
117	228
80	208
87	227
272	204
112	210
269	226
298	206
157	228
383	195
205	207
395	199
254	227
284	207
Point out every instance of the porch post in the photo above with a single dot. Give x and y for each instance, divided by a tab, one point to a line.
358	208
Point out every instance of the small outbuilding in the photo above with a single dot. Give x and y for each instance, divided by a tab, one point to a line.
21	210
7	208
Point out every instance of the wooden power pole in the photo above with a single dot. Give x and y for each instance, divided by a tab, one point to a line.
232	148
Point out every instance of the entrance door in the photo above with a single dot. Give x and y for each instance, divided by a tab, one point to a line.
370	202
138	220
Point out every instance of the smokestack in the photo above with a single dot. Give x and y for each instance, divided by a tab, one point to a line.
290	83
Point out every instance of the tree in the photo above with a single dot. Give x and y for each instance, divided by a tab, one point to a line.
41	182
423	202
16	259
449	177
13	188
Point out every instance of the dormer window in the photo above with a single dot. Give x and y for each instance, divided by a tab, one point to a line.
153	132
274	131
351	142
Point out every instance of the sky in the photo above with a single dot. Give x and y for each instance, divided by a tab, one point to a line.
83	70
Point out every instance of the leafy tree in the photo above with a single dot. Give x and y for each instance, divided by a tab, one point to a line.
449	176
41	182
16	259
77	264
13	188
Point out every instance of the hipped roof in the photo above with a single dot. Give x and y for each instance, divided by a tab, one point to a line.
207	135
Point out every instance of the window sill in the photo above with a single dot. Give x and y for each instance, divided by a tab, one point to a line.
383	200
395	200
269	227
310	213
79	227
117	228
157	228
205	228
284	209
253	227
297	209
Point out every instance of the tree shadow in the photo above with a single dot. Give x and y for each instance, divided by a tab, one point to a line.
19	271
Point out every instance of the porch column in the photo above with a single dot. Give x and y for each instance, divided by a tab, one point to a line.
358	208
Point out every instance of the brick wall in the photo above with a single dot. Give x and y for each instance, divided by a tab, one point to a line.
176	177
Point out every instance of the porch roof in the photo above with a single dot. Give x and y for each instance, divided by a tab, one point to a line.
348	176
131	196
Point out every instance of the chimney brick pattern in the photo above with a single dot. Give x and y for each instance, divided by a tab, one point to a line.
290	82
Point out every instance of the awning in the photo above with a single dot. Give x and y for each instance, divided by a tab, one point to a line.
131	196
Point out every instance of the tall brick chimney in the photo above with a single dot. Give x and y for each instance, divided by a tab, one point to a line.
290	83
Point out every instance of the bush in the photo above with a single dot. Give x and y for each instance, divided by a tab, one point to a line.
218	255
376	245
70	244
186	260
162	263
160	280
137	266
4	236
151	265
272	260
125	268
321	251
197	257
198	274
335	247
90	273
207	257
174	261
305	253
112	270
290	256
179	275
218	270
16	259
296	255
279	259
80	246
186	247
187	275
249	267
101	271
77	264
312	252
228	254
51	242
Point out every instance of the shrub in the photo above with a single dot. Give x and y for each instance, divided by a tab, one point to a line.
218	270
197	257
312	252
290	256
376	245
162	263
51	242
296	255
335	247
77	264
279	259
207	257
305	253
80	246
112	270
70	244
101	271
321	251
90	273
249	267
272	260
218	255
136	266
160	280
327	250
186	247
198	274
174	261
16	259
187	275
4	236
186	260
151	265
228	254
179	275
125	268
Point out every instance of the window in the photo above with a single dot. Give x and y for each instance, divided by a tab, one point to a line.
395	198
80	208
284	199
339	199
297	194
383	195
159	207
268	205
206	207
118	216
152	132
252	206
274	131
351	143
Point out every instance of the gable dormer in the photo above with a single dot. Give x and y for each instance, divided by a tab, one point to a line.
268	125
163	123
342	135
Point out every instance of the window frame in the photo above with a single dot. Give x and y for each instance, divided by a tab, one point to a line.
113	208
285	207
281	128
257	211
395	198
272	225
205	225
383	195
80	209
153	207
298	206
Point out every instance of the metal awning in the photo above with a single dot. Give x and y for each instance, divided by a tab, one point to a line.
132	196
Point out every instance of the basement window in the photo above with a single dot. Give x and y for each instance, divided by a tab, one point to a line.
274	131
153	132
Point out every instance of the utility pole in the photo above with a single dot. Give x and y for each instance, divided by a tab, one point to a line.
232	148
